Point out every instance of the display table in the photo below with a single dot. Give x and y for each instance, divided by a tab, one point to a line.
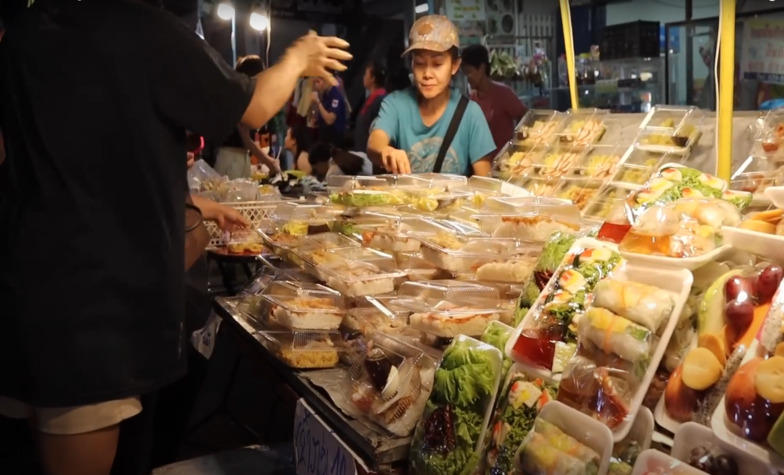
380	452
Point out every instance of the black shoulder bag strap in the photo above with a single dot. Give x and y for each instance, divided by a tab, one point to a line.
450	133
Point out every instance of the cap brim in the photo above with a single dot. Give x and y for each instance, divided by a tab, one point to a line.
427	45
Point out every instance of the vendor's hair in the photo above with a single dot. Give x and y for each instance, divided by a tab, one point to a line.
379	73
476	55
320	152
250	65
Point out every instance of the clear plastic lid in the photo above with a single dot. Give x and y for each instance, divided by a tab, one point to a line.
456	292
579	191
670	129
440	181
303	349
538	127
357	272
516	162
757	173
602	206
600	162
540	186
346	182
557	163
434	199
582	128
461	246
539	204
304	297
374	313
306	212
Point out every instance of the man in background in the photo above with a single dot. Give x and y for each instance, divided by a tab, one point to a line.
374	79
501	106
331	111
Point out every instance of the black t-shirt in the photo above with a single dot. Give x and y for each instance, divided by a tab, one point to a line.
95	98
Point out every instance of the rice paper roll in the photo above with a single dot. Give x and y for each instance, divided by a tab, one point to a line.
565	443
642	304
538	457
612	333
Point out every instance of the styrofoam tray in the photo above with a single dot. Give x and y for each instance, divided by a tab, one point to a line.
677	281
689	263
642	429
583	428
769	245
726	432
776	195
692	434
654	462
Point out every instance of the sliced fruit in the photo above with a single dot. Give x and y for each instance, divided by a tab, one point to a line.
753	415
679	401
715	344
760	313
769	380
776	436
701	369
390	388
710	317
779	351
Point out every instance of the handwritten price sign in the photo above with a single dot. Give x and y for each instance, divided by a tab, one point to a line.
465	10
317	450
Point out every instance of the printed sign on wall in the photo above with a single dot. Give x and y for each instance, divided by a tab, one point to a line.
465	10
762	55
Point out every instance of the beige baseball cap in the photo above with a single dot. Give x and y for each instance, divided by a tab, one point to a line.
433	33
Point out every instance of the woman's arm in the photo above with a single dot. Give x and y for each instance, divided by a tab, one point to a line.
329	117
483	166
380	152
256	151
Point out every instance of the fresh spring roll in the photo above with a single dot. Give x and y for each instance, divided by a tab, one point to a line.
567	444
614	334
537	457
643	304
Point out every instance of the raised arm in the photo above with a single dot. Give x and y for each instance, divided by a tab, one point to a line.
310	55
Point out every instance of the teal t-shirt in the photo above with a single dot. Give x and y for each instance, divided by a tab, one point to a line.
400	119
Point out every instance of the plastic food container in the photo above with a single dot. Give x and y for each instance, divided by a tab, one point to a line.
600	162
756	174
691	435
303	349
303	306
347	182
537	127
558	163
653	462
480	366
494	187
533	219
438	181
417	267
433	199
513	162
449	308
670	129
401	235
541	186
392	381
531	345
582	128
375	313
467	254
357	272
582	428
579	191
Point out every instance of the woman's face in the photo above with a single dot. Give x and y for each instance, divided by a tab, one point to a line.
367	79
433	72
289	142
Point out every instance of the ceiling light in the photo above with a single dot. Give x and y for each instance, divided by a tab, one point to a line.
259	21
422	8
225	11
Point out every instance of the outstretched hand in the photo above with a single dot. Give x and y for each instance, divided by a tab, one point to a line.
317	56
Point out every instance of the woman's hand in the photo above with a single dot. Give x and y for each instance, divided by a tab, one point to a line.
395	161
226	217
317	56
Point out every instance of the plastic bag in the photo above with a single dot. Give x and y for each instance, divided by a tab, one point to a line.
202	177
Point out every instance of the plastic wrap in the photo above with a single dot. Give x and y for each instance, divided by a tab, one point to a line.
563	441
682	229
450	436
391	382
520	400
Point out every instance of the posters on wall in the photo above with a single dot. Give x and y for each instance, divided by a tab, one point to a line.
762	53
465	10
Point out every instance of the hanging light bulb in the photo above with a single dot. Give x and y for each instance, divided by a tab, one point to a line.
225	11
259	21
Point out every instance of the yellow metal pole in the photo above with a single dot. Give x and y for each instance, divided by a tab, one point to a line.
566	20
726	92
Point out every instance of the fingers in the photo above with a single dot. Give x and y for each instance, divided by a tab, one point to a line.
335	42
339	54
334	65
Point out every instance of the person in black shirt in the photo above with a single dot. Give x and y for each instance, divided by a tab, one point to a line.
92	198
